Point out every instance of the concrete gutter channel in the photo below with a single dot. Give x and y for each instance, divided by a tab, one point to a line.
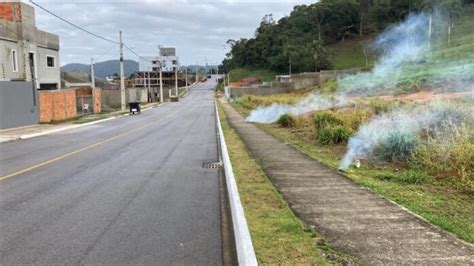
243	242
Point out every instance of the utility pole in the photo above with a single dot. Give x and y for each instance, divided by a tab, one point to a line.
161	81
176	78
93	85
186	74
196	71
149	81
122	75
92	74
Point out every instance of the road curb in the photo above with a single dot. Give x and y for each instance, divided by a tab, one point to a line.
28	136
243	241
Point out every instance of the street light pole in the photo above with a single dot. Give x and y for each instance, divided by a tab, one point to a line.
161	81
186	71
92	74
196	71
122	75
176	79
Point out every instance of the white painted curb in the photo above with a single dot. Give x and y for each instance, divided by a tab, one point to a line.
243	241
47	132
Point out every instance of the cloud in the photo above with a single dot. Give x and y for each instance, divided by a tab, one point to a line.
198	29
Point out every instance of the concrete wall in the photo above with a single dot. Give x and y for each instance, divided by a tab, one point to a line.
57	105
18	104
304	80
111	97
298	81
18	32
263	89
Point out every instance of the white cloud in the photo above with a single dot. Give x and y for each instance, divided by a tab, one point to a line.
198	29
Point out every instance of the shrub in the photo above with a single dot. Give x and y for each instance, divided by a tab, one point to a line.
380	105
397	147
324	135
325	118
340	134
450	157
286	120
333	134
406	177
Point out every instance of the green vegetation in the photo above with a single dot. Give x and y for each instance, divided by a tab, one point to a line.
286	120
237	74
430	175
277	235
336	33
398	147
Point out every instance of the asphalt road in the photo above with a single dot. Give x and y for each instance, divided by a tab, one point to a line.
128	190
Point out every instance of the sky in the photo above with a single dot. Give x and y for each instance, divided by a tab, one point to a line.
198	29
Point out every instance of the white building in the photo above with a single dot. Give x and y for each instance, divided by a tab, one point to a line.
167	57
27	53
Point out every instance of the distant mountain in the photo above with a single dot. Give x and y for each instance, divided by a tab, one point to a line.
104	69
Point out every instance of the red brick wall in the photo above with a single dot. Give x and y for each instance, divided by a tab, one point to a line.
10	11
57	105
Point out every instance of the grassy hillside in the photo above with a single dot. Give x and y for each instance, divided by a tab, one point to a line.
240	73
350	53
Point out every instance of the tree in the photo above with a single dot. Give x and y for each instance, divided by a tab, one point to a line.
320	56
452	8
321	11
290	51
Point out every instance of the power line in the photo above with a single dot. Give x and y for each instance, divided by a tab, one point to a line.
72	24
137	54
106	52
91	33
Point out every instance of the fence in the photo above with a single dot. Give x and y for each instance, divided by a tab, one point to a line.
84	104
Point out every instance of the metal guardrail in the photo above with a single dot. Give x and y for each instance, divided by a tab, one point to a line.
243	241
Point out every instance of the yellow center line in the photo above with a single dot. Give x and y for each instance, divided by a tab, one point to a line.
28	169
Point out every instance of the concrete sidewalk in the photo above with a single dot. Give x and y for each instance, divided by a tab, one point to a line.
36	130
351	218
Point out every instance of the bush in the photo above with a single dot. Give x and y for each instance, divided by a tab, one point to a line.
325	118
406	177
333	134
397	147
449	157
286	120
380	105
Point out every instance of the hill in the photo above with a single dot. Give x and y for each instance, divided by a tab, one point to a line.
104	69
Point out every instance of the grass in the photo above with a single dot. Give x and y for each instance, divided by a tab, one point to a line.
240	73
437	201
277	235
350	53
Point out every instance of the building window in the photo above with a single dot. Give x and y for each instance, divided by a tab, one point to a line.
50	62
175	62
14	61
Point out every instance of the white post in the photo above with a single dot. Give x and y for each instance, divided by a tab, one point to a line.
186	71
93	84
176	78
92	74
196	71
122	75
161	84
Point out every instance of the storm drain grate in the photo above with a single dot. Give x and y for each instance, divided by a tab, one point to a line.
212	165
